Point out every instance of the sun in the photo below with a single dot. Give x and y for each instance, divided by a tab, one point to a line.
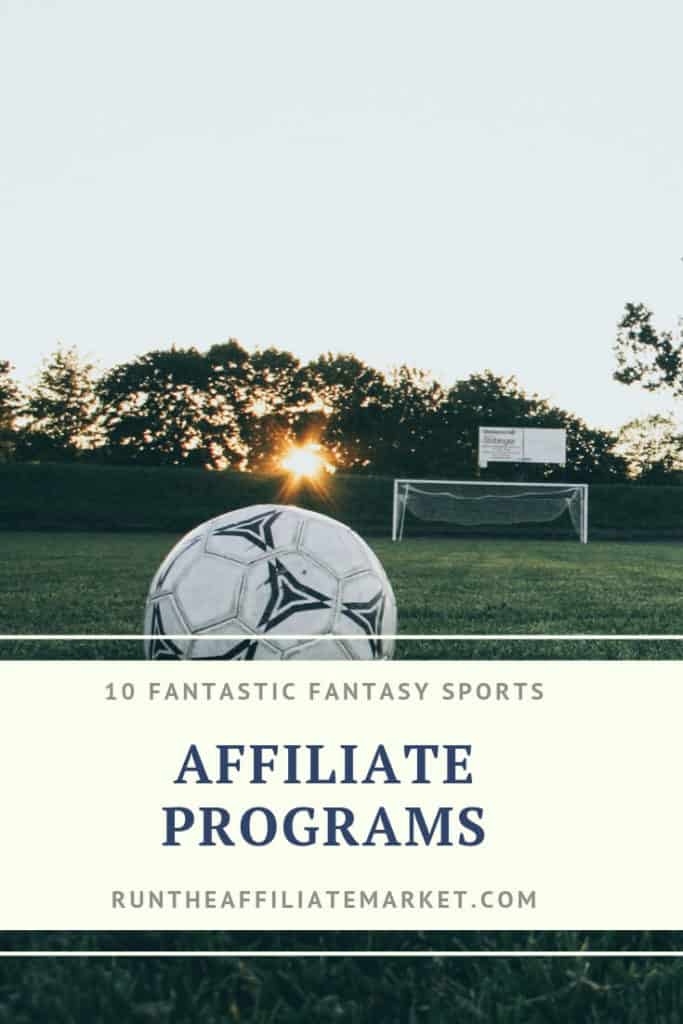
304	461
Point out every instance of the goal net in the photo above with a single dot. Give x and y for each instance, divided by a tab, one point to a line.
475	504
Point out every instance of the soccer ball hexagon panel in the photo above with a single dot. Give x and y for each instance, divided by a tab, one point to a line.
269	575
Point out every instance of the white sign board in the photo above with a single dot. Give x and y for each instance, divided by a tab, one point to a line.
522	444
544	445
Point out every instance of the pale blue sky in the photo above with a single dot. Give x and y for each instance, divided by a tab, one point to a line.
453	184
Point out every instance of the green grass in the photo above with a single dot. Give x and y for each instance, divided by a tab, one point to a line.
96	583
345	990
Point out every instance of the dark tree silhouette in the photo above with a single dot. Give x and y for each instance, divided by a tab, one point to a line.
227	408
178	406
348	396
652	447
282	410
62	408
10	403
646	356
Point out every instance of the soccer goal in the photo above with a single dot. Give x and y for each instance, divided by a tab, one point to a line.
475	504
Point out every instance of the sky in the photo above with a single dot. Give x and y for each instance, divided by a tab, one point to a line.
454	185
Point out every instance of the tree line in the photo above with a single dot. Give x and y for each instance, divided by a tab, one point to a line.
226	407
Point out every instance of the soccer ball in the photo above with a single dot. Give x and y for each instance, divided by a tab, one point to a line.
265	575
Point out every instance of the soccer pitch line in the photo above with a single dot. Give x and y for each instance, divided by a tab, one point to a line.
342	636
583	954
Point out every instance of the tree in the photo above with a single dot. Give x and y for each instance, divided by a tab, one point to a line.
282	410
347	402
277	382
645	356
62	409
652	448
230	399
10	400
407	421
178	406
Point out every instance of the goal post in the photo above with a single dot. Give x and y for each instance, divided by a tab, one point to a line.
476	503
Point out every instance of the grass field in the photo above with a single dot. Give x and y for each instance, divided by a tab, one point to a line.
71	582
346	990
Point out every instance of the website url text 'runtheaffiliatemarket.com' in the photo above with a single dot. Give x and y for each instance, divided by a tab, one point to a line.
324	899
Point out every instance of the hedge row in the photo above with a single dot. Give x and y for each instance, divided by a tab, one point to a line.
50	496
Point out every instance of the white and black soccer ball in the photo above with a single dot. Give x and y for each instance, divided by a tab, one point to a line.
266	575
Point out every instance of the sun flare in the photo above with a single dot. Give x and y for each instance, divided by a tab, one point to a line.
305	461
